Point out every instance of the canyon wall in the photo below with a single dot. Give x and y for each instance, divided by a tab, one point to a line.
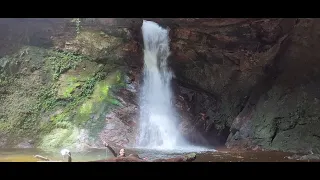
243	83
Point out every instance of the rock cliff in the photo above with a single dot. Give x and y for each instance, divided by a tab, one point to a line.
243	83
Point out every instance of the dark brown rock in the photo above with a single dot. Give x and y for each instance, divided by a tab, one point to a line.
260	73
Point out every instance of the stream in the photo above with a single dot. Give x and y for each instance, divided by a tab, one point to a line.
26	155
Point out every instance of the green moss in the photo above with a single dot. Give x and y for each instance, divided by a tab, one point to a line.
47	99
76	84
4	80
101	91
69	89
64	125
60	62
60	137
120	81
95	98
100	97
72	90
88	86
114	102
64	116
92	104
104	90
118	77
4	127
86	108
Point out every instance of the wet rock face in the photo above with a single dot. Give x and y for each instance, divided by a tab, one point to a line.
196	108
261	77
245	83
103	83
121	125
284	117
220	61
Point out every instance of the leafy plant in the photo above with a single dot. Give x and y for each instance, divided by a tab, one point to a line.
78	26
63	61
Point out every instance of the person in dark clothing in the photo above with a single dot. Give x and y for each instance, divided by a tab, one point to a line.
122	152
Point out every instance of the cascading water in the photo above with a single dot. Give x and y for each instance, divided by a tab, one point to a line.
158	122
158	118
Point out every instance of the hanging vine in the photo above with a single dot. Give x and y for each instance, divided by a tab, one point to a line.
77	21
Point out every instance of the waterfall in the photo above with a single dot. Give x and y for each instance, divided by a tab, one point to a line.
158	118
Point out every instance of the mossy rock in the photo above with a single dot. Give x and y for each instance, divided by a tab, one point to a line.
46	94
60	62
70	82
95	44
21	88
60	137
85	113
100	97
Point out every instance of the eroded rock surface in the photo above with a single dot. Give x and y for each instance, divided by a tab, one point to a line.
255	80
244	83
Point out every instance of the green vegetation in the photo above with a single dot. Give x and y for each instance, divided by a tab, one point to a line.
78	26
60	96
70	89
60	62
95	98
58	137
4	80
83	93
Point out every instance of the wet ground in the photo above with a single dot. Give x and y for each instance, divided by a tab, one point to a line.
244	156
26	155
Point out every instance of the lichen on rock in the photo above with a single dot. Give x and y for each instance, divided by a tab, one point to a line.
95	44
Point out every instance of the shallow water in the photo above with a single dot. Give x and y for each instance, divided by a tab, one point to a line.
26	155
244	156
